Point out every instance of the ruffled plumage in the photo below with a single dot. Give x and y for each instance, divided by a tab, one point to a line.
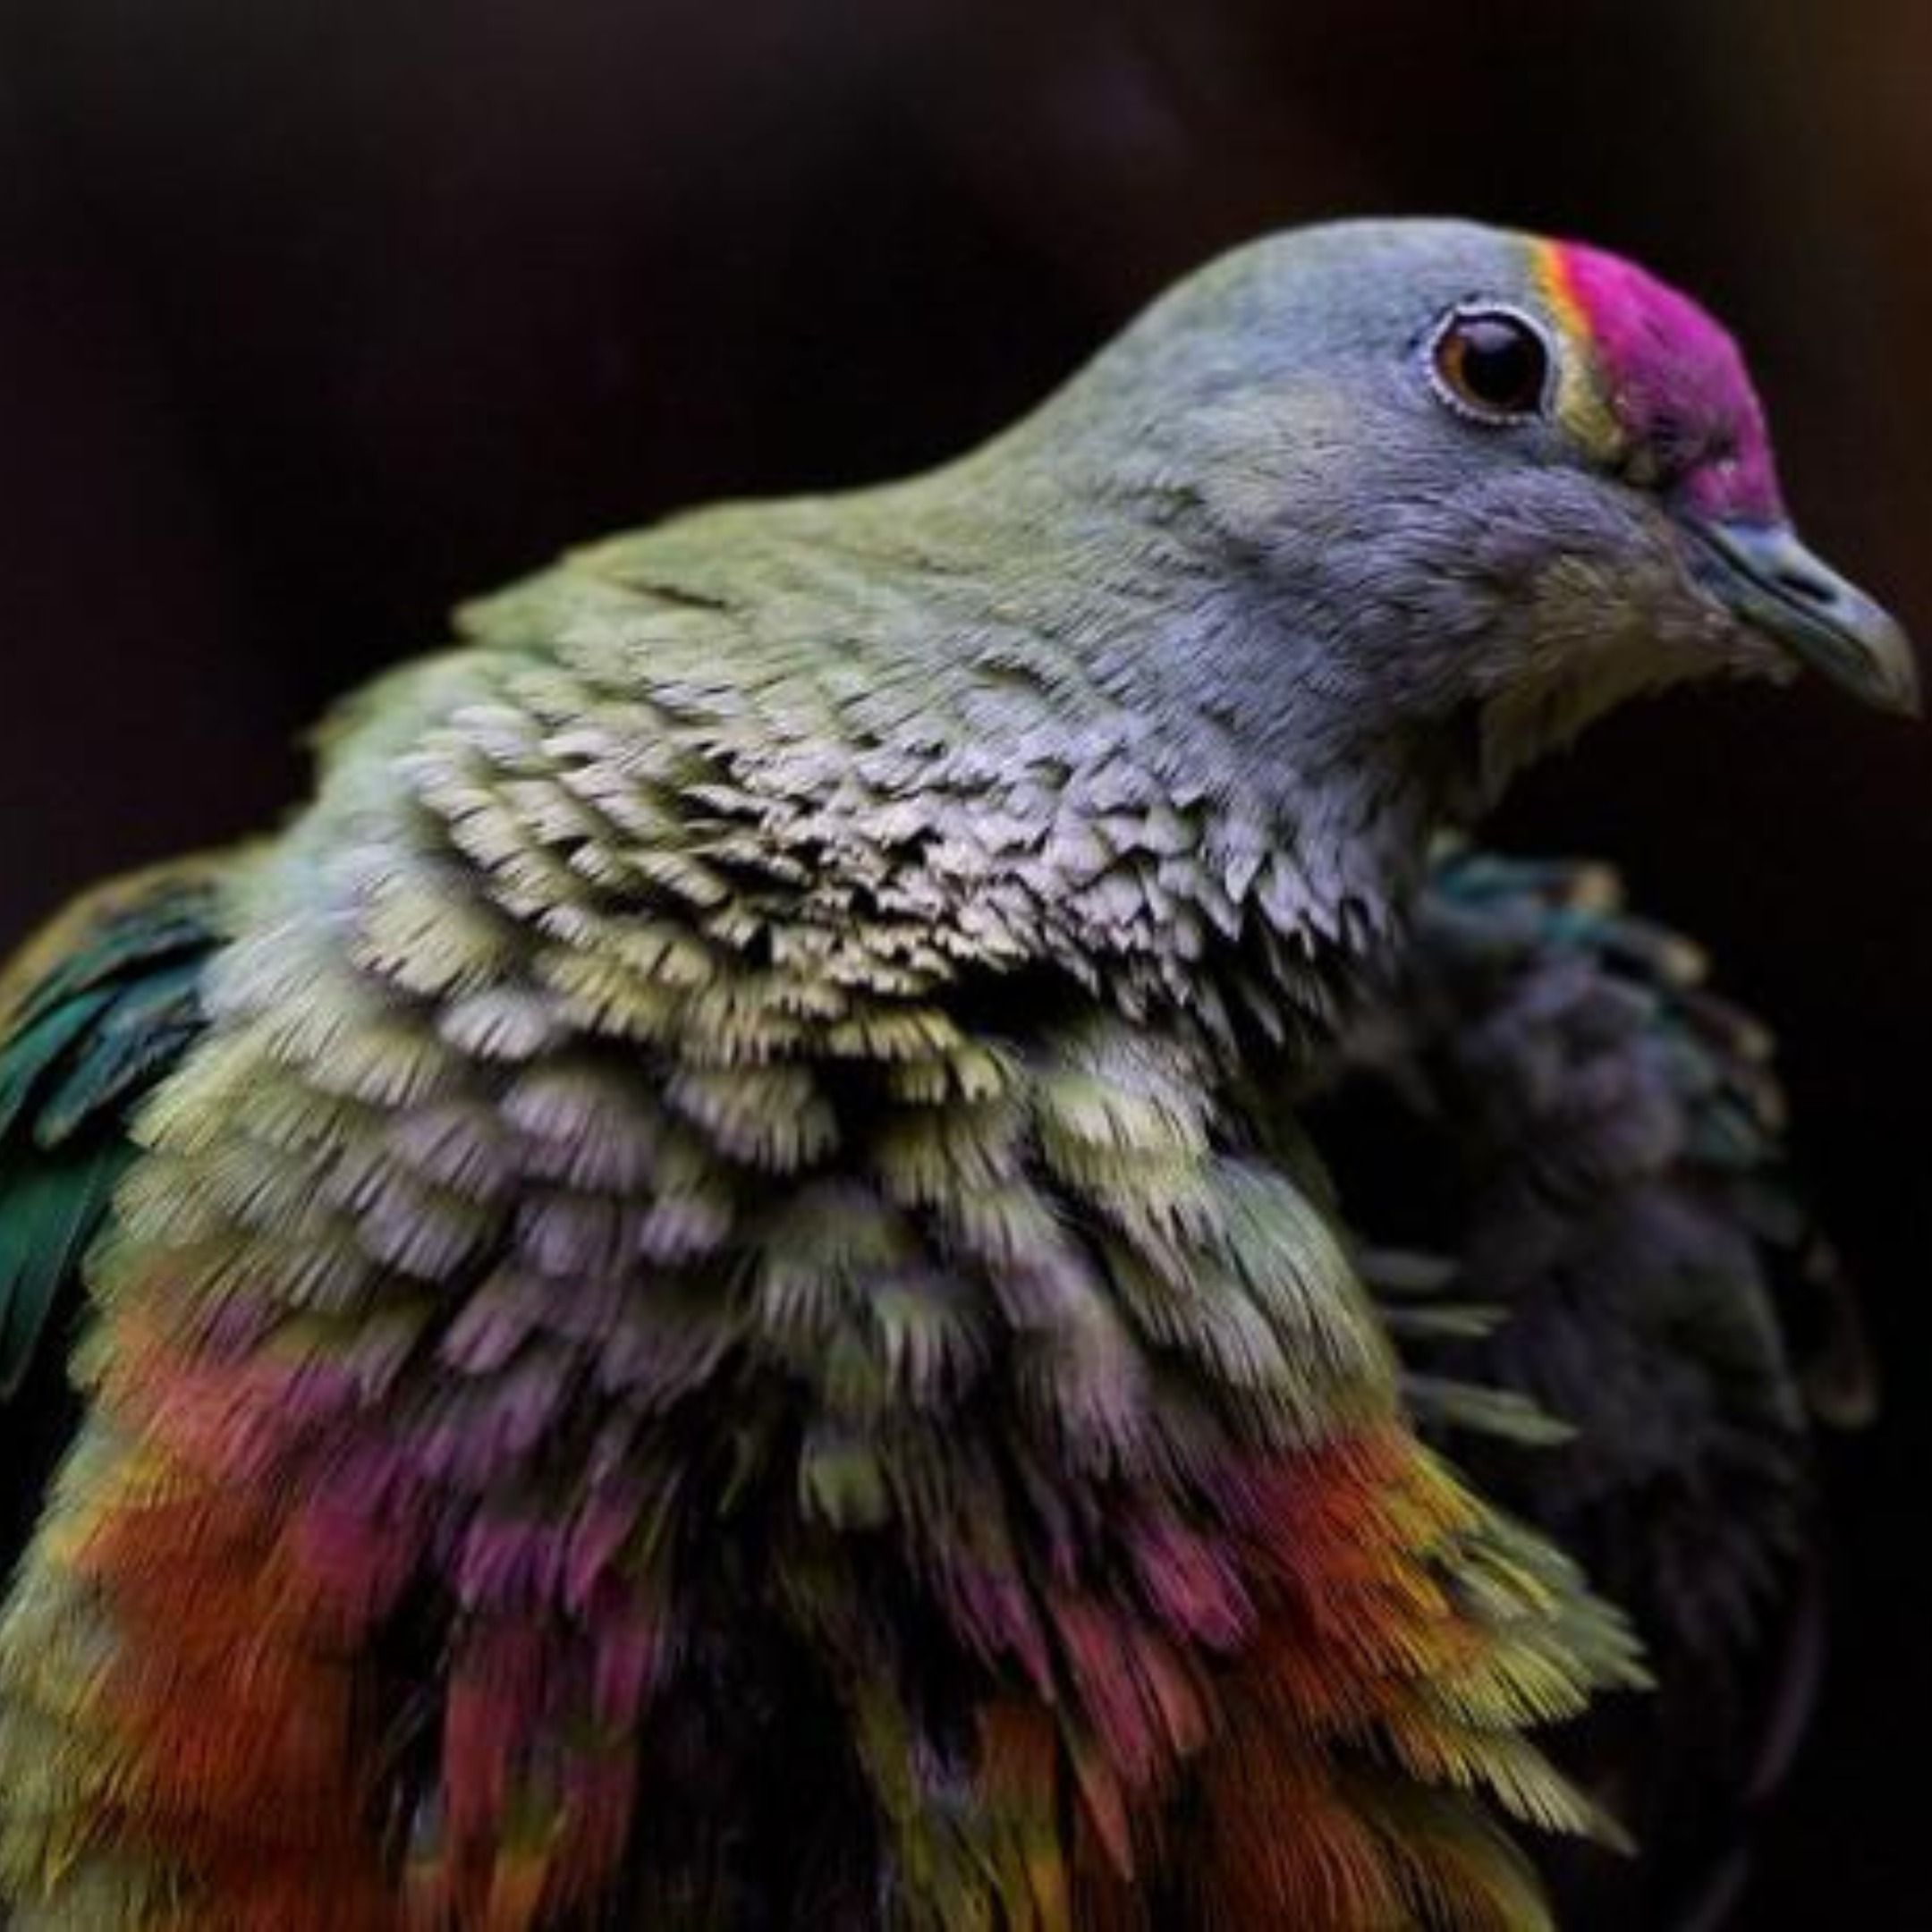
639	1254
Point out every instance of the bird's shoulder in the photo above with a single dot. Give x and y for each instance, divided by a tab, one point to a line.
96	1009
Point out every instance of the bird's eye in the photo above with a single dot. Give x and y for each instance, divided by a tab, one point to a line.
1491	364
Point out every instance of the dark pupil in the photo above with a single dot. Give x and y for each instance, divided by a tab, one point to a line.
1498	363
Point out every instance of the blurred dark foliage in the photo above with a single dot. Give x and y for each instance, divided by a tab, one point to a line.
316	316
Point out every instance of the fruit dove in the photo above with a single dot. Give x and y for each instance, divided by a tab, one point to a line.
704	1305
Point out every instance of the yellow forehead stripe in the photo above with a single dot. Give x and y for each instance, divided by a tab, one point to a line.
1551	267
1581	406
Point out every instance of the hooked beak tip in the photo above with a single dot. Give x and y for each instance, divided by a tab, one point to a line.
1770	581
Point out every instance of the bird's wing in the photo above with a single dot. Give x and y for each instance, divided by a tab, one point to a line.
94	1010
1557	1105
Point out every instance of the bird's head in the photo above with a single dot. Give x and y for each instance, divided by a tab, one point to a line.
1469	478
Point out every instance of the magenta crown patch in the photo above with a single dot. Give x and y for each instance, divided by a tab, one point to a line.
1674	379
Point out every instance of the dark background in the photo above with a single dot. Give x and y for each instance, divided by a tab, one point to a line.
315	315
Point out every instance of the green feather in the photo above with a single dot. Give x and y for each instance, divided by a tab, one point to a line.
142	1031
48	1214
27	1058
87	1031
176	917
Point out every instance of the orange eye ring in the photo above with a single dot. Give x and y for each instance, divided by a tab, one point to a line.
1492	364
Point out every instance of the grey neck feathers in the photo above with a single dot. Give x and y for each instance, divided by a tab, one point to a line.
1019	741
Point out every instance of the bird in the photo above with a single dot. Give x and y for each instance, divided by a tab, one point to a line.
697	1298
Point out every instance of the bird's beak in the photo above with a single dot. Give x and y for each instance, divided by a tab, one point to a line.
1769	581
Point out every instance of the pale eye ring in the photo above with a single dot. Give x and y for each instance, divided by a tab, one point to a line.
1491	363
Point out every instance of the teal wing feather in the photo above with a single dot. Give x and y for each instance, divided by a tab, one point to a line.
93	1012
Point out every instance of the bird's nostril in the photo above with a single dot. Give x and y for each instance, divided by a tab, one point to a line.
1812	589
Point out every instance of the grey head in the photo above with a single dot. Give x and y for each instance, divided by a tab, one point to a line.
1447	492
